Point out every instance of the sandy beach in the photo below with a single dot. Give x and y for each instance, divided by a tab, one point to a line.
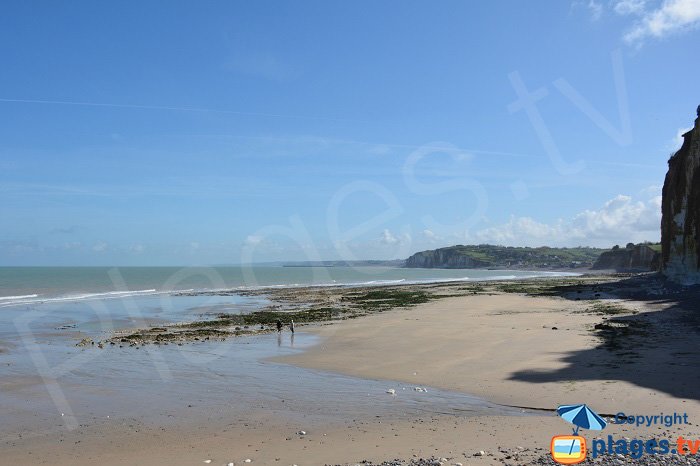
508	348
511	349
341	233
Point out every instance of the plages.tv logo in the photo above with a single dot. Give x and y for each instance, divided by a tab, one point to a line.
571	449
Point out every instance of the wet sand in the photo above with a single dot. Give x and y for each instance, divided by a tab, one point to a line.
499	347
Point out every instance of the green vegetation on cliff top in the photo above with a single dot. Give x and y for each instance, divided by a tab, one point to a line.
507	256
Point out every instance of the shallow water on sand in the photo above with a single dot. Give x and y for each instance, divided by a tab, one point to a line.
47	383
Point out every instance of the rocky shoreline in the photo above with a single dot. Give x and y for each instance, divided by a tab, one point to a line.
514	457
326	305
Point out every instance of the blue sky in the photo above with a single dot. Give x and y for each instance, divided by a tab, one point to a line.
158	133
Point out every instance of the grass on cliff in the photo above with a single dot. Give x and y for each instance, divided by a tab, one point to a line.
498	256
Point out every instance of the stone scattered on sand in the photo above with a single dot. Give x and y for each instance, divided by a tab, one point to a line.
248	460
612	460
391	391
420	389
480	453
207	461
302	432
399	462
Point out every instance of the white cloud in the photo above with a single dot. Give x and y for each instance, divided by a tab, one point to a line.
629	7
19	248
253	240
678	140
620	216
100	246
137	248
619	220
388	238
596	9
384	245
520	231
650	18
429	235
671	16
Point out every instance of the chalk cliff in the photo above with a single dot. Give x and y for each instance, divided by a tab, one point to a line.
680	222
632	258
490	256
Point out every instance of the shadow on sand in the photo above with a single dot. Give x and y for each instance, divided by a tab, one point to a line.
659	350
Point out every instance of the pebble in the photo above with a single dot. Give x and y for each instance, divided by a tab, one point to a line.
391	391
607	460
546	460
399	462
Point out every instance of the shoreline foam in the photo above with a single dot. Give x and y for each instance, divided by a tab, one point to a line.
38	299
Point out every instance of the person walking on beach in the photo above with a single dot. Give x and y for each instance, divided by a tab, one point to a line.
291	326
279	326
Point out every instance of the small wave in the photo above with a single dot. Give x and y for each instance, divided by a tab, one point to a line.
106	295
11	298
525	274
383	282
507	277
35	299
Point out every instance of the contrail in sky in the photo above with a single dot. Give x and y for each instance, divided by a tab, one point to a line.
233	112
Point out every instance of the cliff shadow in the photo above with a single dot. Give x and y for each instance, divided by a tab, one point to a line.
657	349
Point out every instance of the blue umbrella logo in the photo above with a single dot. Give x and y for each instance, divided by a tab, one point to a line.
582	417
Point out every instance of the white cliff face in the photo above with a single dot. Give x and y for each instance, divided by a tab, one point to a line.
680	224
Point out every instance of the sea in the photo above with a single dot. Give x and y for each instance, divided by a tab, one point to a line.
36	285
49	383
